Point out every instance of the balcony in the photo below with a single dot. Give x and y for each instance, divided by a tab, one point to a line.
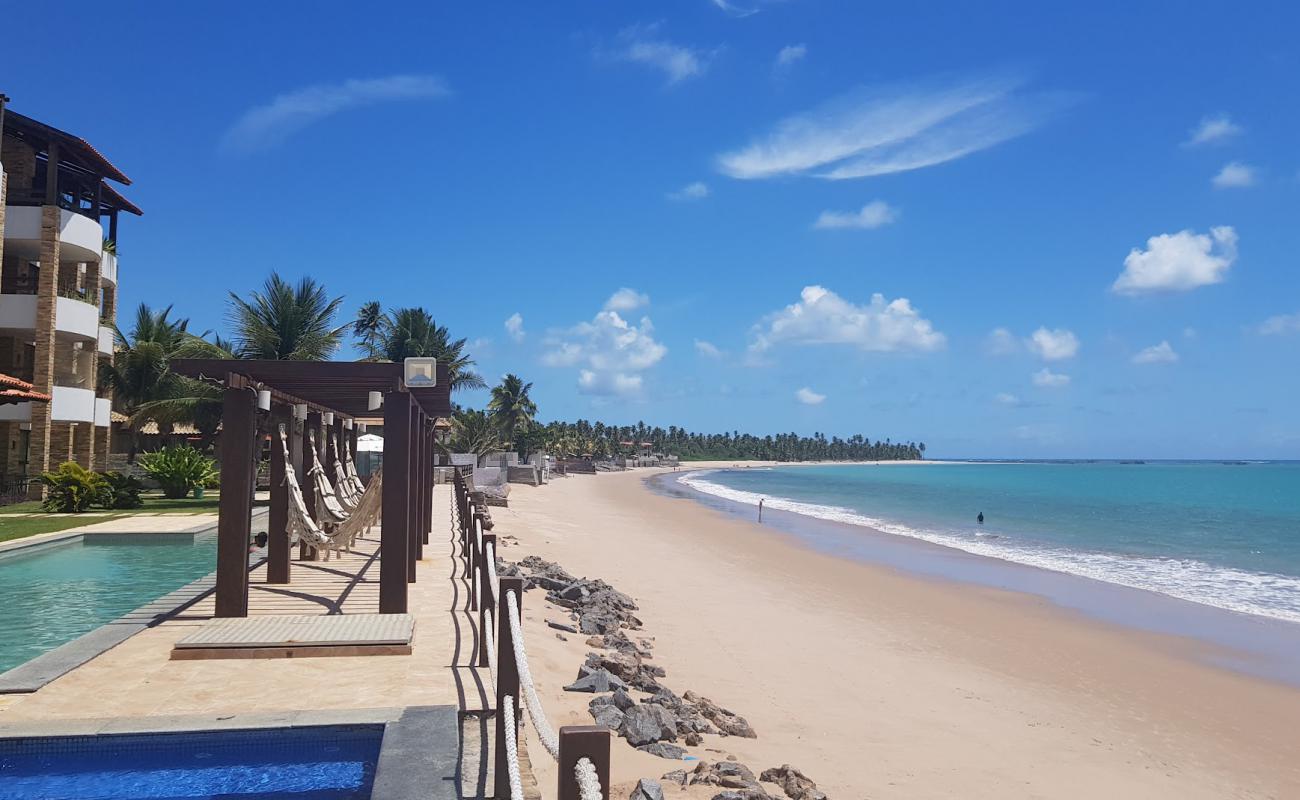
103	412
74	318
69	404
80	237
106	340
108	269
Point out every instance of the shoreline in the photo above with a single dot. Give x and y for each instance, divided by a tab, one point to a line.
873	680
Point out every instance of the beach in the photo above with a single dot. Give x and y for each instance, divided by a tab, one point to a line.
879	683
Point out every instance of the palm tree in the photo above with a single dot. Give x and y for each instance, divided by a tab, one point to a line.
368	327
286	322
473	432
512	409
411	333
139	373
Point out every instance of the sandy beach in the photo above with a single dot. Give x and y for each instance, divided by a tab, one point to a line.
881	684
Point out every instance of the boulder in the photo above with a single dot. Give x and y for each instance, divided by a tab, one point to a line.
693	739
663	750
728	722
646	724
727	774
647	789
794	783
607	715
595	680
559	626
742	794
623	700
677	776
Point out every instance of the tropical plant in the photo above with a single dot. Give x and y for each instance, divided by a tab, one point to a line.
72	488
178	469
139	372
286	322
368	327
110	246
412	332
120	491
473	432
512	409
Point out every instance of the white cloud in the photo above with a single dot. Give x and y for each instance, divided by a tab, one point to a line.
691	191
734	10
609	350
1234	175
626	299
1178	262
892	129
1189	332
808	397
875	214
1280	324
1047	379
1156	354
1006	399
1213	130
265	126
823	317
639	45
515	327
707	349
788	55
1054	345
1000	342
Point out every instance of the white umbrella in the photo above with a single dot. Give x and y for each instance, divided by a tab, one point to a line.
370	443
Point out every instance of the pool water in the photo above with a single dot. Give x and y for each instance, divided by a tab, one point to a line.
51	594
308	763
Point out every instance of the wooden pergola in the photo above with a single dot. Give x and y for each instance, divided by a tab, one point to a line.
341	389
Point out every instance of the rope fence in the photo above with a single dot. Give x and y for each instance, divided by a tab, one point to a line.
580	751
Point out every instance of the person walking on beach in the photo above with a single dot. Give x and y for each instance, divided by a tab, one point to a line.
980	518
760	509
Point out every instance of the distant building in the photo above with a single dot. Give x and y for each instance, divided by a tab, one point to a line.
58	293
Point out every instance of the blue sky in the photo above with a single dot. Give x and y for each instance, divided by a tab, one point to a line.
1082	226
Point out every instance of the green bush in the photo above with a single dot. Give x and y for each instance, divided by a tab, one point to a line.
72	489
121	491
178	469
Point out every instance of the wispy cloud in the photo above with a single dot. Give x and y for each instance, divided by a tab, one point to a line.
1161	353
808	397
1006	399
642	44
515	327
1280	324
894	129
626	299
1178	262
1001	342
734	10
1046	379
1053	345
1234	175
691	191
707	349
265	126
789	55
875	214
1213	130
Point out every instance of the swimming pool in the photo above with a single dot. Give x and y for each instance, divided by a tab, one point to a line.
336	762
53	593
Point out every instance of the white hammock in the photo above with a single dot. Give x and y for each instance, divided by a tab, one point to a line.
347	495
302	528
350	467
330	510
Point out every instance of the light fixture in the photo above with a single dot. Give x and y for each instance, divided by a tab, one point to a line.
420	372
347	424
264	399
300	411
328	418
375	400
24	426
361	427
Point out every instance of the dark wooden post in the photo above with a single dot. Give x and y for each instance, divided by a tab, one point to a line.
577	741
396	504
277	565
476	566
310	435
486	602
235	507
415	547
507	678
429	450
337	439
352	441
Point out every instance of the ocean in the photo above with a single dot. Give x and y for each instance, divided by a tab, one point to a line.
1225	535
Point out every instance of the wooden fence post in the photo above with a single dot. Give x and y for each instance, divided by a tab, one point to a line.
487	602
507	679
577	741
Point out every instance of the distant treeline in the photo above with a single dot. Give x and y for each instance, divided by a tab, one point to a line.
600	440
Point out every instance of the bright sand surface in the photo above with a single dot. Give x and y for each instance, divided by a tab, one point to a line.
881	684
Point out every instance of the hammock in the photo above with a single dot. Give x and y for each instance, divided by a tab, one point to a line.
330	509
347	493
302	528
350	467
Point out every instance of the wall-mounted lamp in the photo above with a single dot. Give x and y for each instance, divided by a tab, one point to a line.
361	427
264	399
24	426
375	400
328	418
300	411
420	372
347	424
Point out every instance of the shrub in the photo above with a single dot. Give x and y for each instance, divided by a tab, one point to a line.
72	489
178	469
121	491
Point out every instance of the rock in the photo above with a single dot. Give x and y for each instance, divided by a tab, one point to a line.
559	626
663	750
646	724
728	722
601	700
794	783
595	641
608	715
561	637
677	776
693	739
598	680
742	794
727	774
623	700
647	789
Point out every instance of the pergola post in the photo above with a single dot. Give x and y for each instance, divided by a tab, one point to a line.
415	544
310	442
393	536
277	546
235	507
429	450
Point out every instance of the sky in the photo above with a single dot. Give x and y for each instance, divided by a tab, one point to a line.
1003	229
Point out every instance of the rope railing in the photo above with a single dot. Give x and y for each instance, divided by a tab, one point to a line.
582	751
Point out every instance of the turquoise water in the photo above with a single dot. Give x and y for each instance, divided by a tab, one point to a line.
52	594
1224	535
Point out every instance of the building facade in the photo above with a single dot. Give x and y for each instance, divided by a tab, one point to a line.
58	294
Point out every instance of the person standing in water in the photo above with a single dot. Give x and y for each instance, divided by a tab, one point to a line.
760	509
980	518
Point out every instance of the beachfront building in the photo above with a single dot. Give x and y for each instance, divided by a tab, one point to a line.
58	294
